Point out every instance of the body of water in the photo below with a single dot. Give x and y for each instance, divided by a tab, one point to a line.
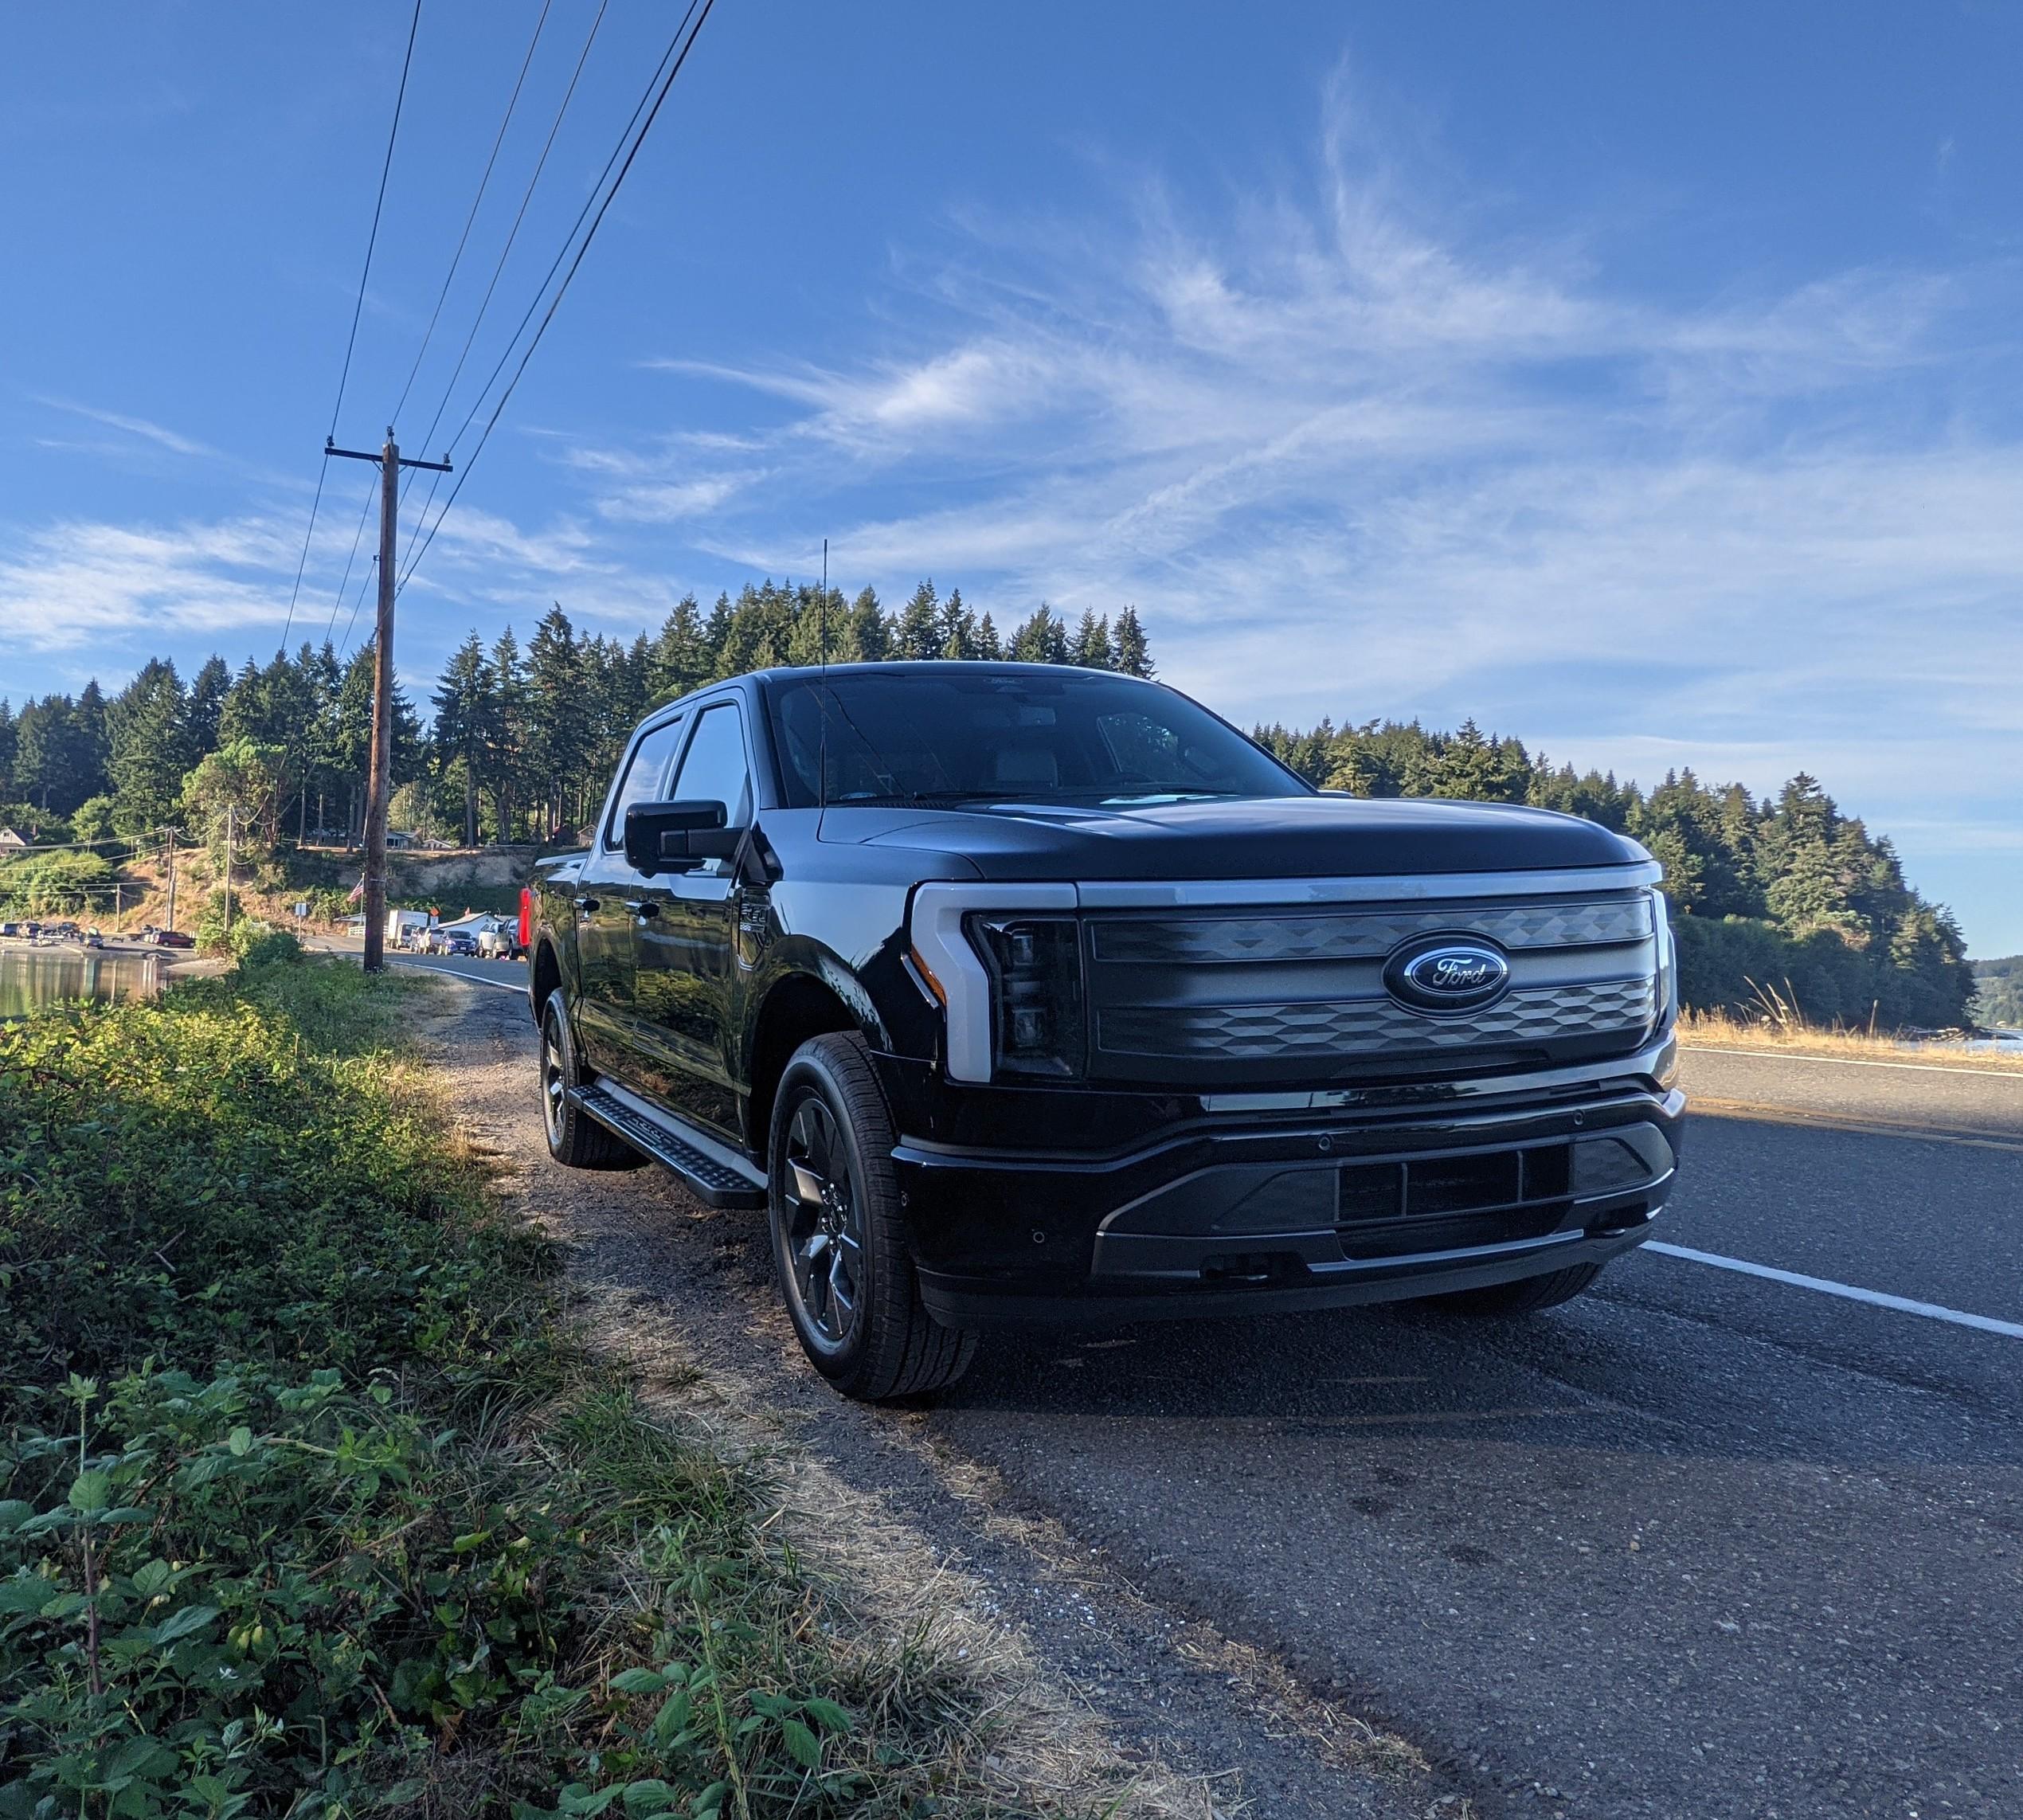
32	977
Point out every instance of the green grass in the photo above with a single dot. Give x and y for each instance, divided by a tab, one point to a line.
312	1503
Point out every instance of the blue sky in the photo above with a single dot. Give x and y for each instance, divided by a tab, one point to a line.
1641	382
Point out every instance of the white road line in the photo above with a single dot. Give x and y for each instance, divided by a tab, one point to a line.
2014	1074
452	973
1931	1310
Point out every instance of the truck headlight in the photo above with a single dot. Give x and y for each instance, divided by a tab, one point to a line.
1666	980
1038	1025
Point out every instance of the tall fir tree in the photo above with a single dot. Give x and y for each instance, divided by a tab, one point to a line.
918	635
1133	652
147	731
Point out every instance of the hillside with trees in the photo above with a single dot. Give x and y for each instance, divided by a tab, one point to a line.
1998	992
1781	902
1786	907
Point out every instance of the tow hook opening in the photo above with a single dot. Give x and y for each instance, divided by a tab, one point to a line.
1618	1219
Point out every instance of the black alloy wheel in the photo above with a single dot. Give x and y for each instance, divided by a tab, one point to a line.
822	1234
839	1246
574	1138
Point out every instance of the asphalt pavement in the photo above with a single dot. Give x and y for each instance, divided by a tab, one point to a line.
1702	1543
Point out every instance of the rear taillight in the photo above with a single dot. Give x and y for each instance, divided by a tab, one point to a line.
527	915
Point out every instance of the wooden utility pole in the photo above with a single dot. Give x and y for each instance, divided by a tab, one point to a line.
168	834
379	771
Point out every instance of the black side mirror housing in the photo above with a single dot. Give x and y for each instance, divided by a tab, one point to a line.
676	837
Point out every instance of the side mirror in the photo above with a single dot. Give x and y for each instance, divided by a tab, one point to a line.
673	837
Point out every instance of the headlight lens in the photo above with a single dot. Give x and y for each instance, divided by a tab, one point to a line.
1667	980
1038	1025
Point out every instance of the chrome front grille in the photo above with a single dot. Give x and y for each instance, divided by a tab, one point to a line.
1301	991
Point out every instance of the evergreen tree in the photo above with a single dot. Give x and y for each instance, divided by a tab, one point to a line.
151	752
557	723
206	702
918	633
868	629
1092	642
92	746
7	792
956	628
465	703
1041	639
988	646
1133	654
680	658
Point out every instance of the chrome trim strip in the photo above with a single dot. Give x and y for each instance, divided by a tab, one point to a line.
1600	1075
935	927
1418	887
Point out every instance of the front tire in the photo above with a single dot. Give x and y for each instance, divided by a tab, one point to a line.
1528	1295
573	1139
839	1245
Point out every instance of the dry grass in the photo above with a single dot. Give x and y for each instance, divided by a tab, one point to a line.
1795	1036
920	1642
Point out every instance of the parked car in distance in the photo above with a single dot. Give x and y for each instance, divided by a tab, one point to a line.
1017	992
10	929
457	941
501	942
172	939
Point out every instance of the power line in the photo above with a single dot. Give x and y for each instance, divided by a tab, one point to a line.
344	376
344	581
561	290
512	233
484	302
512	102
373	239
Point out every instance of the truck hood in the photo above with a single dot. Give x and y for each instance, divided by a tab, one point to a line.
1277	837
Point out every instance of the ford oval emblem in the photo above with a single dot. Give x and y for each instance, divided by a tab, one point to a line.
1446	972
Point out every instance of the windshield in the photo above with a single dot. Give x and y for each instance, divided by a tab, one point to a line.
976	734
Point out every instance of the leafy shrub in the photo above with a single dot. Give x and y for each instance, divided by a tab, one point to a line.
351	1527
252	1591
55	884
203	1179
257	944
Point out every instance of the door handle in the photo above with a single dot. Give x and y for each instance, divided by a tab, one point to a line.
588	905
642	907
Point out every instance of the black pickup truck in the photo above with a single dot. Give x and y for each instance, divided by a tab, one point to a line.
1016	992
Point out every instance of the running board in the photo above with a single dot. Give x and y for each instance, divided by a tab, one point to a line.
716	1174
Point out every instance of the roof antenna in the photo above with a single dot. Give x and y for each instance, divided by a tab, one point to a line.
821	695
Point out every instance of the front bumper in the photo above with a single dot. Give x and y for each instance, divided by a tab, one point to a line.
1263	1201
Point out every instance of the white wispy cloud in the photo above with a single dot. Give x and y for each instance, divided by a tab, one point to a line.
170	440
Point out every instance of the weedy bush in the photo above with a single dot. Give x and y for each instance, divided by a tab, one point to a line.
257	944
309	1504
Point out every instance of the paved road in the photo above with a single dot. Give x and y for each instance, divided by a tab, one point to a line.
1701	1544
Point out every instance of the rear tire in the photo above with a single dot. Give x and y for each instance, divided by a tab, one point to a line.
1528	1295
573	1139
839	1249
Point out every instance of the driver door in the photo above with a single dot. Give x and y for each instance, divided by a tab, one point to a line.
685	969
606	889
